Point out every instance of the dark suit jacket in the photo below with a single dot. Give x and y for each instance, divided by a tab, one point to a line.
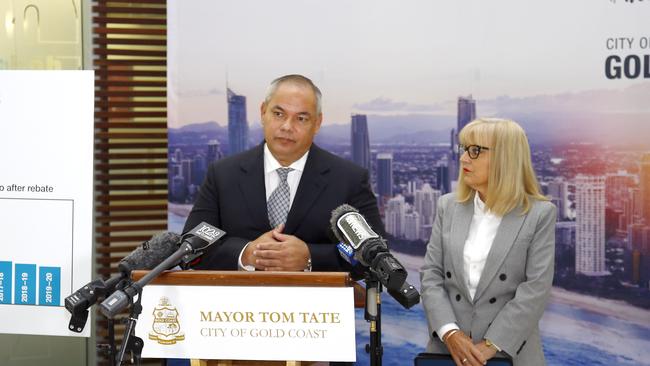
233	198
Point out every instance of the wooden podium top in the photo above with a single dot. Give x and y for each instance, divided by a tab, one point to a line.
258	278
243	278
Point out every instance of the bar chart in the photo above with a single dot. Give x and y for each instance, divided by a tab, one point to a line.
35	268
19	284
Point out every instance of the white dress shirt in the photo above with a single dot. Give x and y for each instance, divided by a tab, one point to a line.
482	231
272	180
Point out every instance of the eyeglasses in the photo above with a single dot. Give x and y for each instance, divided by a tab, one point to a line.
473	150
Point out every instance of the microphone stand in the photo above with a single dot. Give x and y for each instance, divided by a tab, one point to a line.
130	342
373	315
108	349
130	291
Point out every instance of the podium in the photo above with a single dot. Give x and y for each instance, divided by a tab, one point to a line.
257	279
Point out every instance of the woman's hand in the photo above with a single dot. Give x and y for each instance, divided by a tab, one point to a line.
462	350
488	352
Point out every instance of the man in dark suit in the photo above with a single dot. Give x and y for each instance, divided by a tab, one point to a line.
275	200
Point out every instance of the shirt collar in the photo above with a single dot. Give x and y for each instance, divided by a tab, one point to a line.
271	163
479	205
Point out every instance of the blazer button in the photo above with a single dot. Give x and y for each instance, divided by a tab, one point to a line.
503	276
448	274
458	297
493	300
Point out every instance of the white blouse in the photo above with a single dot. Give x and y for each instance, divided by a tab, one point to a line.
482	231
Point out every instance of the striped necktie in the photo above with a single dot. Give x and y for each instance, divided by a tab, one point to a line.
278	203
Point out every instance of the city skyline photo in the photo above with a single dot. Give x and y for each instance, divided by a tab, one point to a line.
398	81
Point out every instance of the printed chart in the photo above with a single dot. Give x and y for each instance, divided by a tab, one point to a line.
46	196
30	270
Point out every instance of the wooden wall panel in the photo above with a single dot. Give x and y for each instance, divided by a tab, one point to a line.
130	62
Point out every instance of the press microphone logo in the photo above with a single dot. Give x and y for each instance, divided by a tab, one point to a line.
353	224
208	233
356	227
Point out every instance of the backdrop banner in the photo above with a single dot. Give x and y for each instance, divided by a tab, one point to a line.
399	80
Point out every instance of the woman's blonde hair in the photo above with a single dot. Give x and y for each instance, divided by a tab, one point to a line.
511	178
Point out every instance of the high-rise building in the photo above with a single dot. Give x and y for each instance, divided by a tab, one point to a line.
177	189
395	212
186	171
360	141
590	225
214	151
454	145
443	176
644	180
638	238
412	225
466	112
198	169
425	203
565	234
632	209
425	232
385	175
178	155
565	244
616	189
558	189
237	123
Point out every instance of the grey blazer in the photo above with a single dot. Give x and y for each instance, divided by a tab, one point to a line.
514	286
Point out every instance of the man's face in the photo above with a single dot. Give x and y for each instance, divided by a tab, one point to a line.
290	121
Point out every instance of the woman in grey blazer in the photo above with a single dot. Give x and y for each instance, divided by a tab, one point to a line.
488	269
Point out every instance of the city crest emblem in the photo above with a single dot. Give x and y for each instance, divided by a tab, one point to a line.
166	328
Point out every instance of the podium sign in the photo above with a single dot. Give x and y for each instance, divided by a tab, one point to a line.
248	323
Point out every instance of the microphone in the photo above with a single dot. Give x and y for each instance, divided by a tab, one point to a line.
360	243
351	228
150	253
199	238
81	300
192	245
145	256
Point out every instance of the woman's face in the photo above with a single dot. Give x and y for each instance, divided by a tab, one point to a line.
476	171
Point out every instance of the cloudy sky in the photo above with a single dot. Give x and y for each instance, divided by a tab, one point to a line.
393	57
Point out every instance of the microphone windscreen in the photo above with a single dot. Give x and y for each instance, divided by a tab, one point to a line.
151	253
336	215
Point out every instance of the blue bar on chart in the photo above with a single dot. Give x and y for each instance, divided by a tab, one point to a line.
5	282
49	286
25	284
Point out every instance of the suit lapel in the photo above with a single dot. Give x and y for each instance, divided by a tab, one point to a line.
251	184
503	241
312	183
459	230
